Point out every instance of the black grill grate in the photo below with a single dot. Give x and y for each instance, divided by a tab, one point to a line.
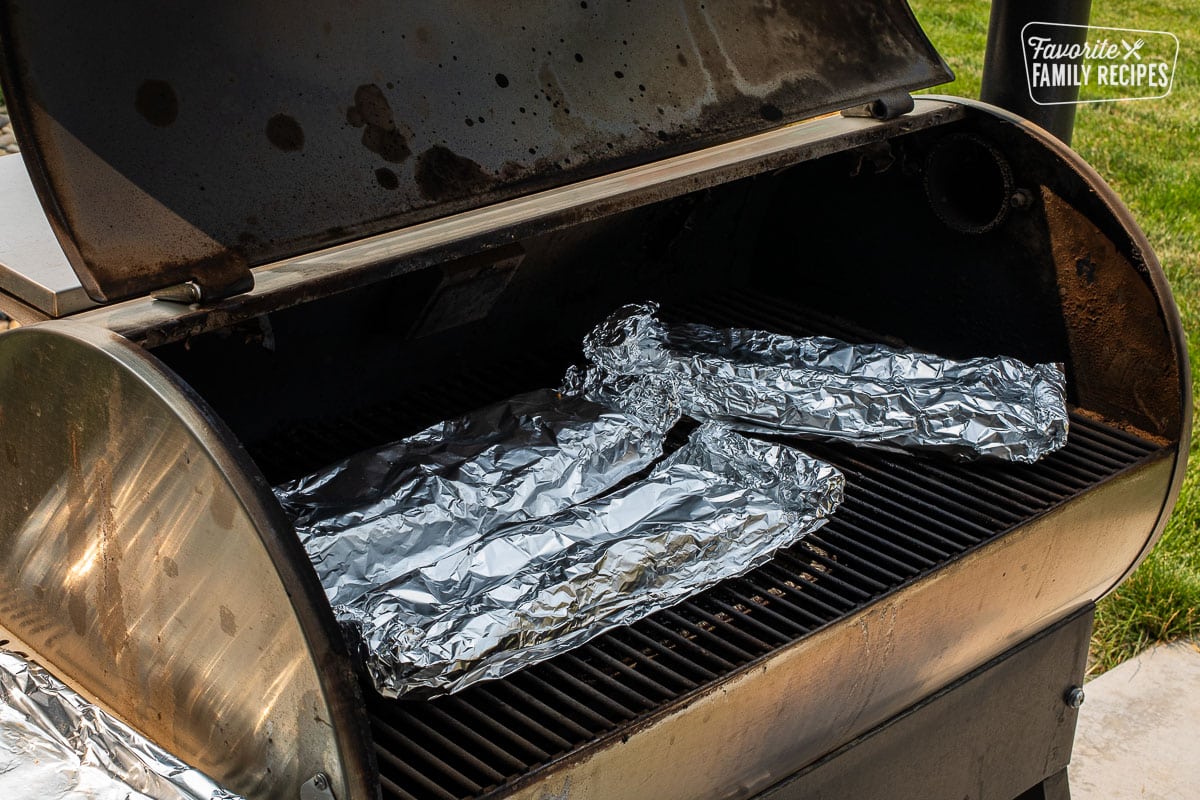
903	517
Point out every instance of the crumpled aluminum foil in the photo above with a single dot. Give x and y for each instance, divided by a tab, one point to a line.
54	745
868	394
380	514
717	508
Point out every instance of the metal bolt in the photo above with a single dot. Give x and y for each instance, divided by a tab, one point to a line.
321	780
1074	697
1021	198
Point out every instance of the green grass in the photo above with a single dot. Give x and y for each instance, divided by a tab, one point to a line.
1149	151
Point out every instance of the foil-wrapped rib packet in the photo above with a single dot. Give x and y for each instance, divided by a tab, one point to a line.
867	394
55	745
374	517
717	508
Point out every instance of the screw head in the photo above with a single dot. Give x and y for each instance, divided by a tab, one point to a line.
320	781
1021	198
1074	697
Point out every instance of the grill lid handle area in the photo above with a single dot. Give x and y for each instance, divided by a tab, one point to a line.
177	144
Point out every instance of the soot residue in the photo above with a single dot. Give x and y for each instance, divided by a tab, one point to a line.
442	174
372	113
386	178
156	101
285	133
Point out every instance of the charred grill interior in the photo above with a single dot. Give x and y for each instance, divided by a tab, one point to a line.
903	517
767	252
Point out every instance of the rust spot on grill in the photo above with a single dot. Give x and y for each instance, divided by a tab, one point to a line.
770	112
285	133
156	101
222	512
442	174
170	567
77	610
228	621
372	113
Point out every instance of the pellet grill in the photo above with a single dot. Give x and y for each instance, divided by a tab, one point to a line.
277	234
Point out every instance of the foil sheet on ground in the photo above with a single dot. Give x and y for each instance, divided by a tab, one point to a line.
868	394
378	515
717	508
54	745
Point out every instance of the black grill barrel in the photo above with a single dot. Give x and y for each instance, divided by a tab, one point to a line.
1005	81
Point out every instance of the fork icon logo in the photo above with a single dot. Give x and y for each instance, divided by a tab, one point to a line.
1132	49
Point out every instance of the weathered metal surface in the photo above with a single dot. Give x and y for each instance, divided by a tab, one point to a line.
991	736
230	134
142	565
1109	224
32	263
841	681
297	280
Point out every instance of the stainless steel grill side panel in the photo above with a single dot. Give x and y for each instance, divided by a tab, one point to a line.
142	564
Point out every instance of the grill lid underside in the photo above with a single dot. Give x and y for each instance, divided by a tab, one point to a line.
223	136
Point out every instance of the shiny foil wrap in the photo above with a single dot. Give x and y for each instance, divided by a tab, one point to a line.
54	745
376	516
868	394
720	506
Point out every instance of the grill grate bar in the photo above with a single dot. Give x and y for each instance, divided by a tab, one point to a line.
384	731
822	577
540	687
608	680
869	546
392	790
556	720
733	613
740	656
895	529
843	568
587	692
903	516
500	732
598	657
1117	443
433	713
756	603
919	505
843	552
696	607
1082	465
778	592
803	590
391	764
649	664
1009	500
523	719
662	650
446	745
1121	442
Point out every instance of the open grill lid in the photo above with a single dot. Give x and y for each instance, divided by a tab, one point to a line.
188	142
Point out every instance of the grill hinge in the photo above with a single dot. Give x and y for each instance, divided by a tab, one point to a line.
888	106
